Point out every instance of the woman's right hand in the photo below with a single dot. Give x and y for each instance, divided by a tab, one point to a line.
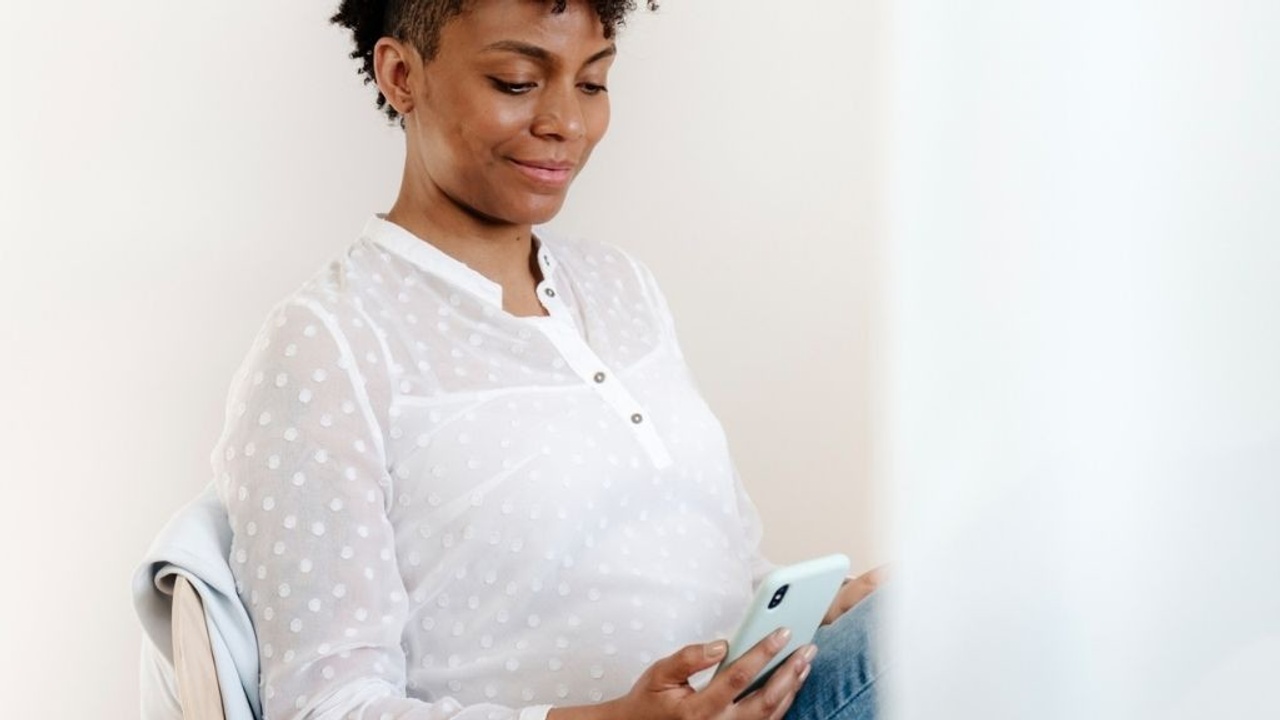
663	691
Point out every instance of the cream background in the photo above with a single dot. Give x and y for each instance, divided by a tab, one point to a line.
168	171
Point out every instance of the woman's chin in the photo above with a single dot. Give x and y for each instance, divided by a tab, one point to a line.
536	212
512	209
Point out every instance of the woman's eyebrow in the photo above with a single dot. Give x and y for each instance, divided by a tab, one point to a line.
541	54
607	52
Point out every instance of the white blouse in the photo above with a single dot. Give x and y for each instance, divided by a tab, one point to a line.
441	510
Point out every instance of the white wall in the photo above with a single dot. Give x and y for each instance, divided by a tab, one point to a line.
167	171
1081	363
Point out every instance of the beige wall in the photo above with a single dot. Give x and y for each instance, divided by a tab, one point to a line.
170	170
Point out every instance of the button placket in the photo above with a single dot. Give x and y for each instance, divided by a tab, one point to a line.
583	360
550	298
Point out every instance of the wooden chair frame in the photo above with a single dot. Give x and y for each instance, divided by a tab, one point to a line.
197	675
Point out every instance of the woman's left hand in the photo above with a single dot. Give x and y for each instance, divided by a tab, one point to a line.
852	593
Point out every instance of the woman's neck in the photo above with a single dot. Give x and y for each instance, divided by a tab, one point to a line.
500	252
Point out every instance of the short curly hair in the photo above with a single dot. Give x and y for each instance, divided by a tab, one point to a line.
419	23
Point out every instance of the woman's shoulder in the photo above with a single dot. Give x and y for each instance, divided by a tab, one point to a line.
352	287
347	282
329	317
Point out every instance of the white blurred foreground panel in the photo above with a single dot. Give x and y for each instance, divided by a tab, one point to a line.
1081	360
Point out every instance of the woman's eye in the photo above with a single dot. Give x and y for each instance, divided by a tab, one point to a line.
593	89
512	88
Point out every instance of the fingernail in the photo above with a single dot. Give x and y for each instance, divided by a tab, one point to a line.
805	673
809	652
715	649
781	636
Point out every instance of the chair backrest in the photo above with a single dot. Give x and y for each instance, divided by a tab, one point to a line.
197	676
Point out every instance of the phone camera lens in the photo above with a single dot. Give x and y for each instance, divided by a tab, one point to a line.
776	600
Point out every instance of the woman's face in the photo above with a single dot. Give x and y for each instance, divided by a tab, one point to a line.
508	111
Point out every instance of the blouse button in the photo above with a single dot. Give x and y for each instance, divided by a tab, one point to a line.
637	418
599	377
550	292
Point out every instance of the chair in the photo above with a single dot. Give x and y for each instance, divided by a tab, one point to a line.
201	658
196	674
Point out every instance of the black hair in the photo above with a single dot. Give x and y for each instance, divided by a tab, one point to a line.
419	23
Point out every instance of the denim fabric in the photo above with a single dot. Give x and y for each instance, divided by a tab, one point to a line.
842	682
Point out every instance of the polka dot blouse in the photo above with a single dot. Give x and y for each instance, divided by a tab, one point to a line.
441	510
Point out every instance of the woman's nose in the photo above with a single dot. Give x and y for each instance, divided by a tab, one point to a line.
560	115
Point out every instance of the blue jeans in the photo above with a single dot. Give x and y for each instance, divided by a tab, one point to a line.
842	679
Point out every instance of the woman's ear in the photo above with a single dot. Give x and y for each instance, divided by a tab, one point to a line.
395	65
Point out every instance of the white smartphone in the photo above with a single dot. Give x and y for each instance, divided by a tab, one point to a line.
795	597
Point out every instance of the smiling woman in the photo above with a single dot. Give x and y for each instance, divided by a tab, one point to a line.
498	122
467	472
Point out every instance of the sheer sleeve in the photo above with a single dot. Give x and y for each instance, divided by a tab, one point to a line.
302	470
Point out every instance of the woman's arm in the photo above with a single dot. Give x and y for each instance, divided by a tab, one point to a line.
303	472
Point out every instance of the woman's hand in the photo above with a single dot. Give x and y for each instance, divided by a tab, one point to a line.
663	691
852	593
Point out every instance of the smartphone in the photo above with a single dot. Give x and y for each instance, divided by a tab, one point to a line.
796	597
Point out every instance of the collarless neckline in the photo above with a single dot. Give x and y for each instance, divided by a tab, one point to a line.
420	252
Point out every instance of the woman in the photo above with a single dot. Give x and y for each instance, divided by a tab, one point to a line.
467	472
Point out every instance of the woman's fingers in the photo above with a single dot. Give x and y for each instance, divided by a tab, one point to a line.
853	592
730	682
790	698
675	670
772	701
874	577
663	691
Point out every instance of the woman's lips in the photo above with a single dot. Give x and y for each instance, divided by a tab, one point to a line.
547	172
